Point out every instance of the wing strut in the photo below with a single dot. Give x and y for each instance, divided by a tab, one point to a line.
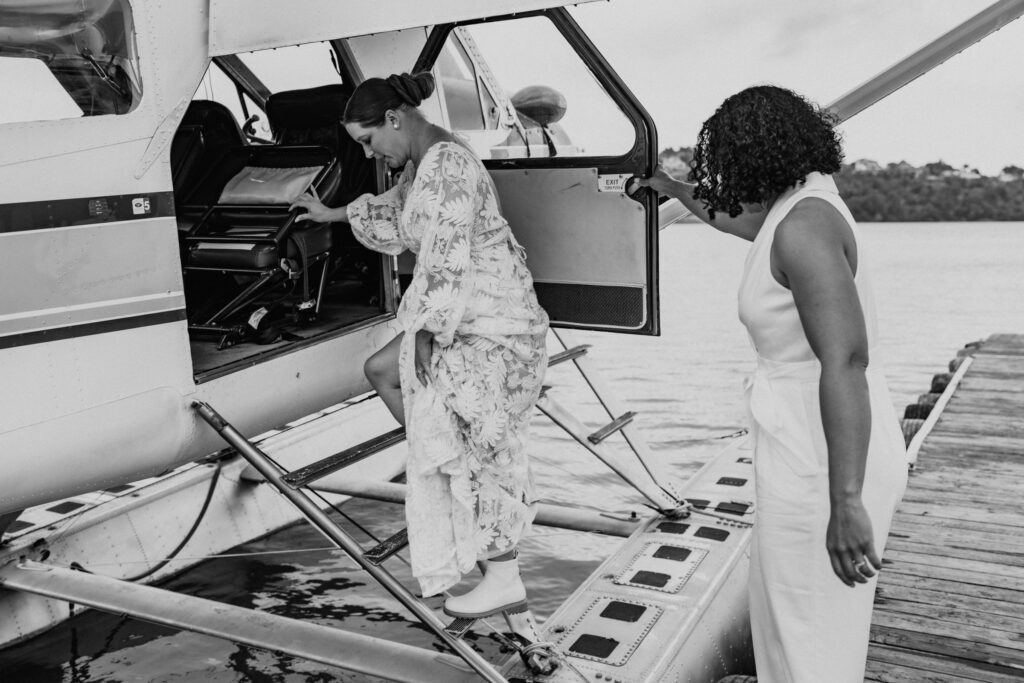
356	652
951	43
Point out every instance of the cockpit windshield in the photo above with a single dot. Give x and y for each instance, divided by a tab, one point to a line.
87	46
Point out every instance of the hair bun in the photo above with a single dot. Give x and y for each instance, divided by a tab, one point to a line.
412	89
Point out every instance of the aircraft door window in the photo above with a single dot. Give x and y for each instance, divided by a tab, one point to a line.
560	108
567	135
85	48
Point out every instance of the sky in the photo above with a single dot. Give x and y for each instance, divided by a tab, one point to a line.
683	57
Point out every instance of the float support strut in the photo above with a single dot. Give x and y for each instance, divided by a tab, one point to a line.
323	523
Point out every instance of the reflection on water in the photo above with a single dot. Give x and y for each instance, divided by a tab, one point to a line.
938	285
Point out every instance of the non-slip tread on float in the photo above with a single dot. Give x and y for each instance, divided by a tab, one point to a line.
459	627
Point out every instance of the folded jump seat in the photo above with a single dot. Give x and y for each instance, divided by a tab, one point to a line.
245	229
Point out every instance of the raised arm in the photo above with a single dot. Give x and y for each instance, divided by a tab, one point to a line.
812	252
374	218
745	225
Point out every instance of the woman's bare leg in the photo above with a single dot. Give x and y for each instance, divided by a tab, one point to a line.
382	370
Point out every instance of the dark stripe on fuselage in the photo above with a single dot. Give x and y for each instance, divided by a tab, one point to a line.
61	213
87	329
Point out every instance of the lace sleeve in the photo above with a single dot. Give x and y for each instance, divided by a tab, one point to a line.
374	219
445	265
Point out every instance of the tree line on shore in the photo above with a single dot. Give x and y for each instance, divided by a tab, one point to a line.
903	193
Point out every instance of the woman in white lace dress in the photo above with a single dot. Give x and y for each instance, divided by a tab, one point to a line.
465	373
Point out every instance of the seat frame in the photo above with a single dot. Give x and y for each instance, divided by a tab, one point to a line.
204	231
295	116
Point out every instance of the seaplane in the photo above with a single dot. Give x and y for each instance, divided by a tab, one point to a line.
181	362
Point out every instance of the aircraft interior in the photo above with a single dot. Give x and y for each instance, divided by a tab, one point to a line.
257	283
263	126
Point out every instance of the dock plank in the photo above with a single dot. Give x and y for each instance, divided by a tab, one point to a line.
965	505
999	486
1002	629
923	567
954	512
897	665
950	599
982	599
926	532
956	553
994	444
984	463
914	635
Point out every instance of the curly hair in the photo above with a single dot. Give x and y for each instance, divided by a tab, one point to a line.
759	143
372	98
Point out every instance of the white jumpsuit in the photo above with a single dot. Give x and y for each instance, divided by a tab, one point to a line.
808	627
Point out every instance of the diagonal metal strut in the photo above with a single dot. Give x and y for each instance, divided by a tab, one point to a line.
323	523
663	495
335	647
954	41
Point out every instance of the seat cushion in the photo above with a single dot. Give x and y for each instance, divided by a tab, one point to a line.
313	117
314	240
247	255
263	185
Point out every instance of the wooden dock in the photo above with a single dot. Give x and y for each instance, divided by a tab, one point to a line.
950	602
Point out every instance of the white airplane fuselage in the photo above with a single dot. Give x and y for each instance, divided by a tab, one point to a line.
96	371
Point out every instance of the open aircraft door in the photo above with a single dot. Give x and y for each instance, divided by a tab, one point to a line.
561	135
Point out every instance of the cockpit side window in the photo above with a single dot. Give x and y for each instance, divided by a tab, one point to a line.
72	58
249	116
295	67
256	75
460	87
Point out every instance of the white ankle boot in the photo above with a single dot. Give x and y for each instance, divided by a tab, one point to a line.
501	590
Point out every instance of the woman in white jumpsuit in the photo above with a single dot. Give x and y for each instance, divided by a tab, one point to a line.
829	460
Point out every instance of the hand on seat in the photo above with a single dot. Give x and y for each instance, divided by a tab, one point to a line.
316	211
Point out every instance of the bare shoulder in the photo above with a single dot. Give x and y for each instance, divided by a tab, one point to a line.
813	240
812	223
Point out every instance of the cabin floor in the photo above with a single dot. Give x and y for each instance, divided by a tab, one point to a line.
338	311
950	601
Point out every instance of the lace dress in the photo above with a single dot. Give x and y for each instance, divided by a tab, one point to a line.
470	492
